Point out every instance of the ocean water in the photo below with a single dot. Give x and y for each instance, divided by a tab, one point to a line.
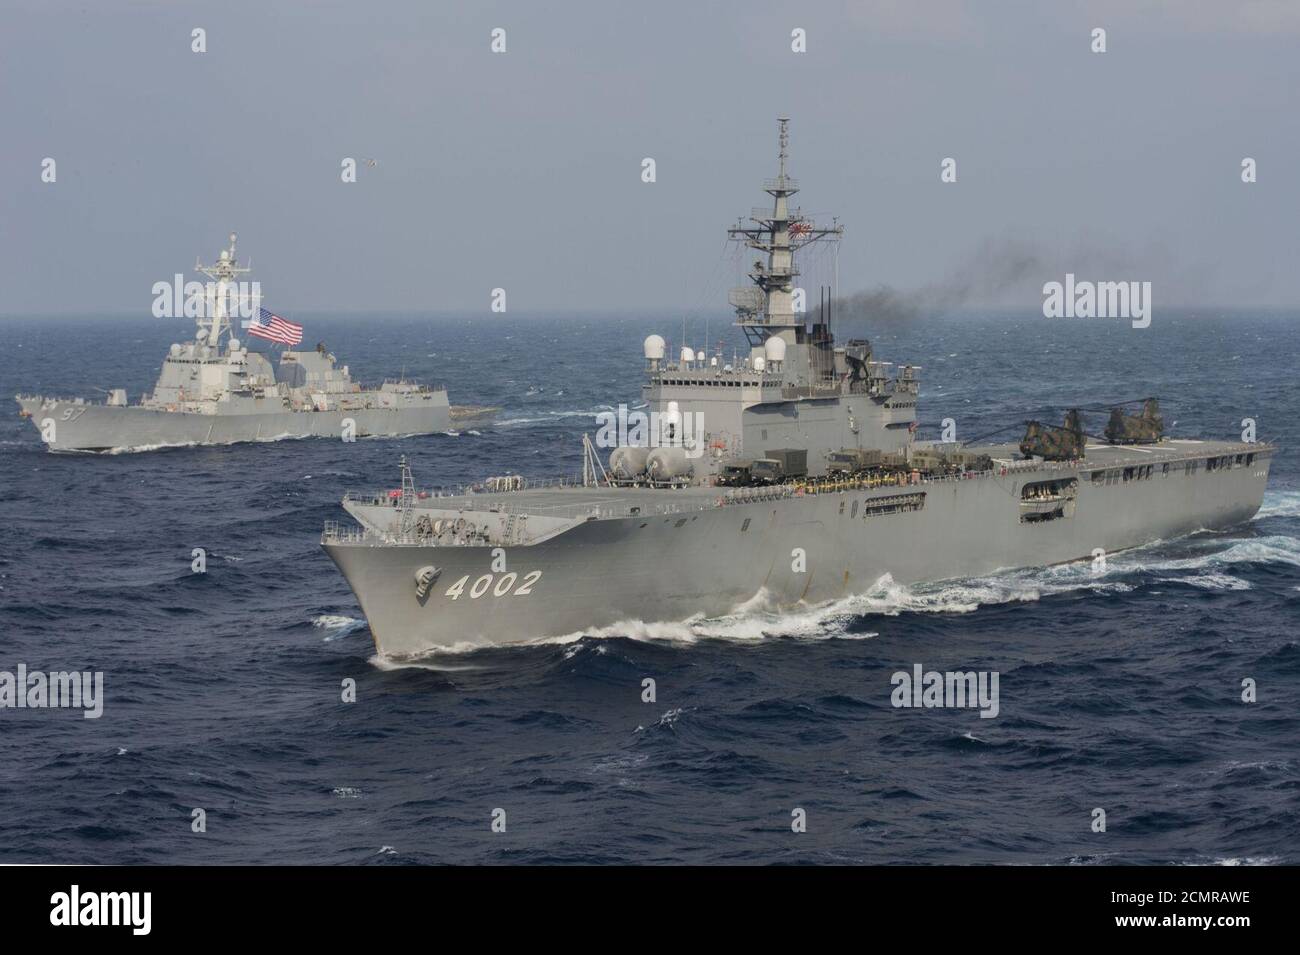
223	690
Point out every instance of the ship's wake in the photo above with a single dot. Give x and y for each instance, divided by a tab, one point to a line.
550	417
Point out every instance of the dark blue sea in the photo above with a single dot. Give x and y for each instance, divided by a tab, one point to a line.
222	690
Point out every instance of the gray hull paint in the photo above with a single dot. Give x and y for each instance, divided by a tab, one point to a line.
96	427
648	568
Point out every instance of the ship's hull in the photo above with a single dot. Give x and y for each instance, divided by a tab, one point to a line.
69	426
807	549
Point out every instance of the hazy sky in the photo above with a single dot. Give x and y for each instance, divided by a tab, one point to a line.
522	170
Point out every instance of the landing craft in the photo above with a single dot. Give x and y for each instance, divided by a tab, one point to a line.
213	390
805	486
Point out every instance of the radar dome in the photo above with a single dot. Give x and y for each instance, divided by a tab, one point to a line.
688	354
234	345
225	255
774	349
174	351
654	347
759	363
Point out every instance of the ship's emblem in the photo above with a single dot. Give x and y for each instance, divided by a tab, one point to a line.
424	579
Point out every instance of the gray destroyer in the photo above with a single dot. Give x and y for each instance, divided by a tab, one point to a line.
214	390
802	484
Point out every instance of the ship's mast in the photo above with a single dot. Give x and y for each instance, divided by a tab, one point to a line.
217	318
768	307
406	500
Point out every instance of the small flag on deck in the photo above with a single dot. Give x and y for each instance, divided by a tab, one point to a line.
274	328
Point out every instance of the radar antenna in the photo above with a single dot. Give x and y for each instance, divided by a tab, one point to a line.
214	318
779	233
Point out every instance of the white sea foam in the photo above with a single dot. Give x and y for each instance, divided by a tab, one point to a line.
1274	549
336	626
431	661
1211	581
753	621
1280	504
1248	860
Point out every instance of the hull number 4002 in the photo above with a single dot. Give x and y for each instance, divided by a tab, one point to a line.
500	586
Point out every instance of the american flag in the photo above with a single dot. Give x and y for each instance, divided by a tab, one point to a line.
274	328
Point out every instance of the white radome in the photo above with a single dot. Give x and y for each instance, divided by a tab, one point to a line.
654	347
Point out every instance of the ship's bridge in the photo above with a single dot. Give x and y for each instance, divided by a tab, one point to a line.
694	375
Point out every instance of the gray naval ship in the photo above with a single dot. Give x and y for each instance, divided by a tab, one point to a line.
213	390
804	485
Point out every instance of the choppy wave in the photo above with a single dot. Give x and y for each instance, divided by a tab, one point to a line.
433	662
1280	504
337	626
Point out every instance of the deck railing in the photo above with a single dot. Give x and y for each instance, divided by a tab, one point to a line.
499	501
